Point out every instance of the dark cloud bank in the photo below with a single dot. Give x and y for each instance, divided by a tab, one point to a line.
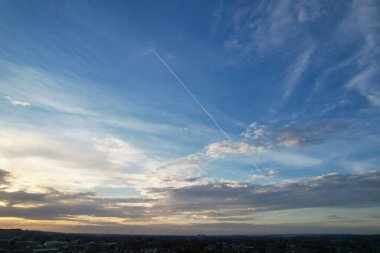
223	202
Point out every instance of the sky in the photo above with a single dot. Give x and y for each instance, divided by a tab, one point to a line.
190	117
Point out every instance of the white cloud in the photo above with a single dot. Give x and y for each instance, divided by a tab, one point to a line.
357	26
73	162
180	172
291	160
361	16
17	102
265	144
216	17
360	166
269	174
20	143
38	160
42	89
218	149
232	43
123	154
267	137
367	84
309	10
264	26
170	56
296	70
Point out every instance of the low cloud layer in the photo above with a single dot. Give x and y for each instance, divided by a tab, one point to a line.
331	190
3	177
53	204
217	201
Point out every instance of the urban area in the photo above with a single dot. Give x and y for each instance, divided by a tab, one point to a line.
22	241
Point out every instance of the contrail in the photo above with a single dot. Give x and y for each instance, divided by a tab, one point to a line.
197	101
191	94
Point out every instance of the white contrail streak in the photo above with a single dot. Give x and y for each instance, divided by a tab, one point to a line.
191	94
199	103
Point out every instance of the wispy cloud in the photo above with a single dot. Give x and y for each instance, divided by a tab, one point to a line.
367	84
357	30
45	160
264	26
263	144
290	160
219	148
292	135
40	88
17	102
232	44
260	138
271	173
90	141
217	15
295	72
308	11
181	172
123	154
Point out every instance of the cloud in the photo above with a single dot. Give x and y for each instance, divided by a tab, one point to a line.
52	204
358	22
232	43
42	89
41	159
262	153
170	56
217	15
178	179
4	176
73	162
269	174
190	163
358	28
331	190
217	149
265	26
207	201
123	154
16	102
308	11
291	135
367	84
295	72
360	165
70	102
17	197
181	172
290	160
258	141
26	143
261	142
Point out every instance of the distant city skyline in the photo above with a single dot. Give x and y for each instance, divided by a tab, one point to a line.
190	117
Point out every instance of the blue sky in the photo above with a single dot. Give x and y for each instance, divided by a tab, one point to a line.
97	134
